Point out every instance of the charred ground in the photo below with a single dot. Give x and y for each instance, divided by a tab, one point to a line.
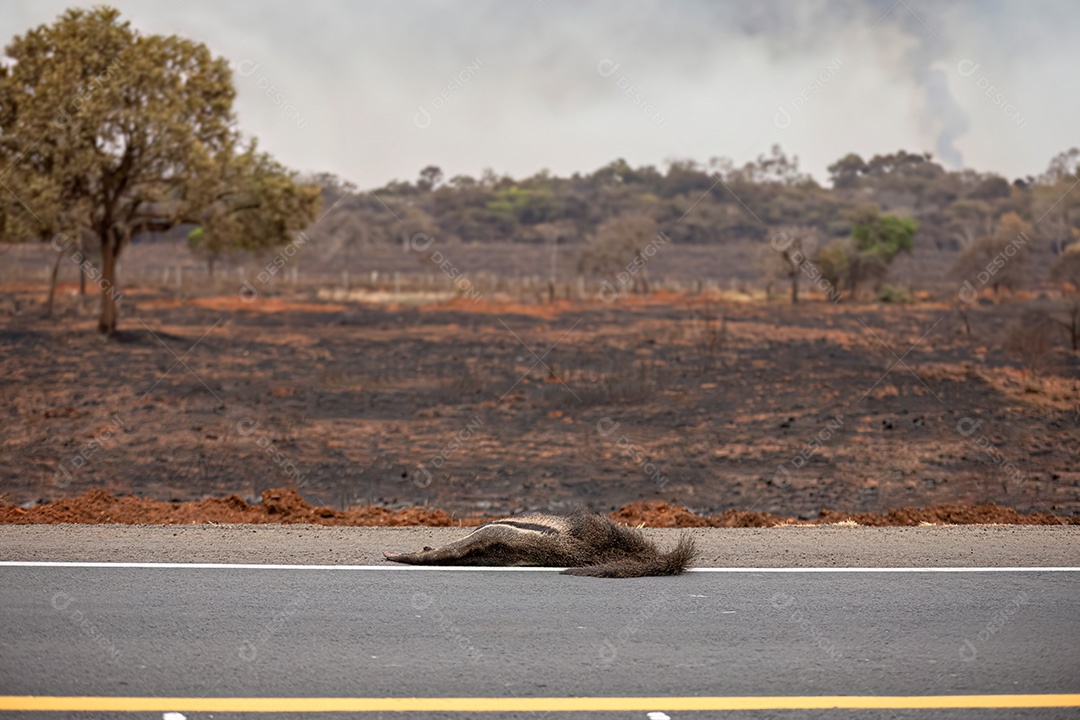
695	400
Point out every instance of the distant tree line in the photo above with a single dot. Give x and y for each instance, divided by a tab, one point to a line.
850	230
715	203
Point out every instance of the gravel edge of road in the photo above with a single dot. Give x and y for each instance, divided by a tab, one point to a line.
821	546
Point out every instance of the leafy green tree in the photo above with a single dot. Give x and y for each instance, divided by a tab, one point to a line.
265	203
876	241
846	172
883	235
832	262
525	206
117	133
430	177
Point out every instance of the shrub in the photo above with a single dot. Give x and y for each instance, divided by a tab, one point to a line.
891	293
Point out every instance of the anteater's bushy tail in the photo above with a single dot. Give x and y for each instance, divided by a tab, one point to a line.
672	563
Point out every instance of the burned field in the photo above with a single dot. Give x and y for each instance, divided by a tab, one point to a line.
482	407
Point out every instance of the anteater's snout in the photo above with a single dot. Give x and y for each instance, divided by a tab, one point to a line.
416	558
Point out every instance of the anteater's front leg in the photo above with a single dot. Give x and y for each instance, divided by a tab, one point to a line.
473	549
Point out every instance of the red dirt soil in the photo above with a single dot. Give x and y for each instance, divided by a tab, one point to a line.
288	506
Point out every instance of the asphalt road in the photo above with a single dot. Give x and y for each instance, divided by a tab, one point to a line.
222	632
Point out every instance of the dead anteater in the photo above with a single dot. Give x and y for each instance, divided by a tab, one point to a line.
585	543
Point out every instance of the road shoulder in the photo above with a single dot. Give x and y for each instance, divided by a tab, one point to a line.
938	546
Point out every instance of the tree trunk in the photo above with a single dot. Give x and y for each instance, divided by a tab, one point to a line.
795	289
82	268
210	267
1074	326
52	282
967	324
110	248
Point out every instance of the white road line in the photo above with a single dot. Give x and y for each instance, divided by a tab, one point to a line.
450	568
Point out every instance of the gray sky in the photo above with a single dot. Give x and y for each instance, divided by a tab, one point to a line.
374	91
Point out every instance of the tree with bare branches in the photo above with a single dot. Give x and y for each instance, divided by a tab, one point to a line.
1001	260
621	249
790	248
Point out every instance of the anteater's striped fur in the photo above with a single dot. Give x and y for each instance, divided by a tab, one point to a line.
584	543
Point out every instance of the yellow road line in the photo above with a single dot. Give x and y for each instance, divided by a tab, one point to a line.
548	704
